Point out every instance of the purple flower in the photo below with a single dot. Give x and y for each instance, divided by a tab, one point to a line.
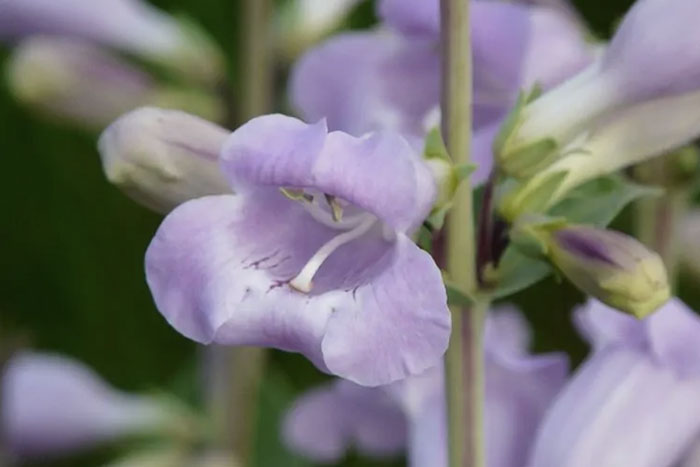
519	388
394	80
78	81
132	26
53	405
653	56
635	400
326	421
312	254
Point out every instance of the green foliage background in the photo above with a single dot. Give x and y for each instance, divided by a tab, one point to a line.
71	256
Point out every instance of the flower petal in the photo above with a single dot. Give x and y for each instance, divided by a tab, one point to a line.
324	422
620	408
412	17
380	173
674	334
602	325
366	82
394	326
216	265
53	405
218	270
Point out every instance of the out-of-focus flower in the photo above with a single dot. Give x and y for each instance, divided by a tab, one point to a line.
624	138
394	80
303	22
131	26
162	158
71	79
634	401
311	255
519	388
653	56
612	267
326	421
53	405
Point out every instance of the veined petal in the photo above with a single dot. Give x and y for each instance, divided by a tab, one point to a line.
396	325
219	267
380	173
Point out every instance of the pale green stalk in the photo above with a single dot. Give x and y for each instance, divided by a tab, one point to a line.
464	359
236	373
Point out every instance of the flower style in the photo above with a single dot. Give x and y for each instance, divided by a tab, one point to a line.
519	388
52	405
311	255
634	401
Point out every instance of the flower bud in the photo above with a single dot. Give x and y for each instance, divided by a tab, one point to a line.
162	158
653	55
72	80
612	267
622	139
132	26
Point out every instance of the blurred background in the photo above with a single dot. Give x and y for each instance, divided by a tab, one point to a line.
72	245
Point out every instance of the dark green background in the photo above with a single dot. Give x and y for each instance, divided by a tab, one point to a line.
71	254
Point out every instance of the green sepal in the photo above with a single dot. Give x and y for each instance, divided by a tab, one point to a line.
458	297
435	147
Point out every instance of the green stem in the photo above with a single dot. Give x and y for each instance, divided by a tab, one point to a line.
235	374
464	358
233	381
257	74
658	218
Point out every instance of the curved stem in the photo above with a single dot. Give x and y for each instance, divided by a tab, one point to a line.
464	358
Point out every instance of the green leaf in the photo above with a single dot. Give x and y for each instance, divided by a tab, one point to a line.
435	146
517	272
456	296
599	201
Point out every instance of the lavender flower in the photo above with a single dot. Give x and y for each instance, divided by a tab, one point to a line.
653	56
311	255
519	388
53	405
634	401
394	80
619	140
163	158
132	26
86	84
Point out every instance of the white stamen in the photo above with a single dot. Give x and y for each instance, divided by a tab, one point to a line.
303	281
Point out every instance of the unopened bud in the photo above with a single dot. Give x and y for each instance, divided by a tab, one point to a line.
132	26
82	83
612	267
162	158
